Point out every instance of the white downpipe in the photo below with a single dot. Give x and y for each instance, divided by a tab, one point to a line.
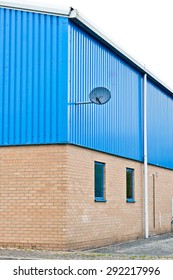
145	159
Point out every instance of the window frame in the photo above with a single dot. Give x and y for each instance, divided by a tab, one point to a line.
131	171
101	198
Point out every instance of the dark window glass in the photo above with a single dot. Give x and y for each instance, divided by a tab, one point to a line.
130	184
99	181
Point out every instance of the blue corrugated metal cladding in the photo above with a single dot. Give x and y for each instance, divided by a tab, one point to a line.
33	78
47	64
160	127
115	127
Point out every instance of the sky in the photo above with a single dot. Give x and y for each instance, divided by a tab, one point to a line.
143	28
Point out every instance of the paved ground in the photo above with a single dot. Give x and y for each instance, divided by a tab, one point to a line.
156	247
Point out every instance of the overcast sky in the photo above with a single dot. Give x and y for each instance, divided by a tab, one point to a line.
143	28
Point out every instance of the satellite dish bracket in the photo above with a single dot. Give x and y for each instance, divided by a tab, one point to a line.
99	96
80	103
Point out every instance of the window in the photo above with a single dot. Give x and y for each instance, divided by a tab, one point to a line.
130	185
99	181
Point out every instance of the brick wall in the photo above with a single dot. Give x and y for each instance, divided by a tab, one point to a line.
97	223
32	196
47	198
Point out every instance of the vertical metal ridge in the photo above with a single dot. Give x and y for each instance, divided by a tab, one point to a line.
36	58
54	79
2	50
12	75
47	80
30	69
18	80
6	77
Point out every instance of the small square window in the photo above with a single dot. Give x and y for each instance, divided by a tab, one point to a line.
130	185
99	181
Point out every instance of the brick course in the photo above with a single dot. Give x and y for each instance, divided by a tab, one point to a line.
47	198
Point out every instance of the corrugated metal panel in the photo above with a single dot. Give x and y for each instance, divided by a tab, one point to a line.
160	127
115	127
33	75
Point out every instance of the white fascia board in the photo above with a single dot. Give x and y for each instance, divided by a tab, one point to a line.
45	7
84	21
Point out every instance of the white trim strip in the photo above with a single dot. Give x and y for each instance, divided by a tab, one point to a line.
47	8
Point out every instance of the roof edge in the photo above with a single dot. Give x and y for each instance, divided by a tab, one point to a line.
46	8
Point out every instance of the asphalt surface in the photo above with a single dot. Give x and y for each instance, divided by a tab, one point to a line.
156	247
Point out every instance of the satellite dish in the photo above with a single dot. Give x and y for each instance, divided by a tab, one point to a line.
100	95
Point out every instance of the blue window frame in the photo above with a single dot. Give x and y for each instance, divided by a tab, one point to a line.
130	185
99	181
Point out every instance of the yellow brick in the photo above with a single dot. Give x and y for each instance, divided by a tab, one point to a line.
47	198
